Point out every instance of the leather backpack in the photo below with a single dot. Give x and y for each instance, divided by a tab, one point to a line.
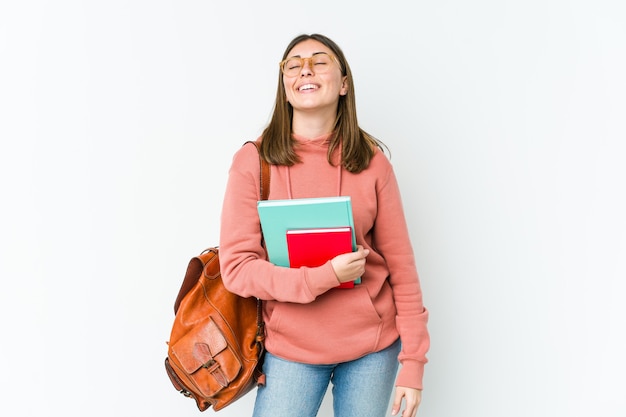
216	345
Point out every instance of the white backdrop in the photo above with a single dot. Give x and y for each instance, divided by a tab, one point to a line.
506	123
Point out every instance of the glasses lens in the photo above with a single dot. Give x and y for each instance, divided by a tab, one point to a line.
292	66
321	62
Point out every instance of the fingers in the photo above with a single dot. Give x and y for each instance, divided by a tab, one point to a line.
356	261
397	401
360	249
349	266
360	254
412	398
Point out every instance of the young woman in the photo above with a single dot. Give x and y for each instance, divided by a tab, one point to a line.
316	333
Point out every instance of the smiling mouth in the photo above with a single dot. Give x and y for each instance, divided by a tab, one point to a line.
307	87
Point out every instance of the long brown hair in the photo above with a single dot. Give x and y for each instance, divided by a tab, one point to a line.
357	146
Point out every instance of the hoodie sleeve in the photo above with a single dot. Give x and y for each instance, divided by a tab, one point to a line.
391	239
244	266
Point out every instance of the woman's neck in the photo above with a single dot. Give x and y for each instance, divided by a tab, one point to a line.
313	125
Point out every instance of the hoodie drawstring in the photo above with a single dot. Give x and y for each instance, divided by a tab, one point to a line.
339	179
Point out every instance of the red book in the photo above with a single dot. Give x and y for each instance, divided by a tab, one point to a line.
314	247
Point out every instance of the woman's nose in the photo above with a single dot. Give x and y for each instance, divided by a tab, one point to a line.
307	68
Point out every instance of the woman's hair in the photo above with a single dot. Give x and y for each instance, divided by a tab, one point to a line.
357	146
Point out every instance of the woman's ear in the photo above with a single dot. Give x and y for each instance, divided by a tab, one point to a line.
344	86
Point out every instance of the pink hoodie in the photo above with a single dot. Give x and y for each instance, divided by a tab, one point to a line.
307	319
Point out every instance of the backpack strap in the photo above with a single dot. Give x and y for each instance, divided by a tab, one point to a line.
265	171
265	191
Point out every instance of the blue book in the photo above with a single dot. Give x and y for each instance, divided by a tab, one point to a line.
279	216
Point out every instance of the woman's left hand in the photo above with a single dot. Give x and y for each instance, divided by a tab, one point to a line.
412	398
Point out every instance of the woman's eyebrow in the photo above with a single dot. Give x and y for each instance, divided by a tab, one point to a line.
314	53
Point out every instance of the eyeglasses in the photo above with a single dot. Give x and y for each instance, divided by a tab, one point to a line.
319	63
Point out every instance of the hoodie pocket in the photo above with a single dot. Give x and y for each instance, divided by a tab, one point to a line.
339	325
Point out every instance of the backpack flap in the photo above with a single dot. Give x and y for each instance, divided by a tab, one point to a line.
204	355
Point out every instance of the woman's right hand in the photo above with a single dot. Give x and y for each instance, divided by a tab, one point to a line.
350	266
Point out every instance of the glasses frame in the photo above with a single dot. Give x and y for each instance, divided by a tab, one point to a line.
310	62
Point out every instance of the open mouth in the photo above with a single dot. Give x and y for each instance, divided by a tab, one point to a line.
308	87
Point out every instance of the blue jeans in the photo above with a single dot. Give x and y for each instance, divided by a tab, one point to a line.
361	388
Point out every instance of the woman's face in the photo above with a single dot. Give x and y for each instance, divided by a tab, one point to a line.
309	91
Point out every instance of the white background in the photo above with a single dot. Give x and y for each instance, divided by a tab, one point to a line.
506	124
